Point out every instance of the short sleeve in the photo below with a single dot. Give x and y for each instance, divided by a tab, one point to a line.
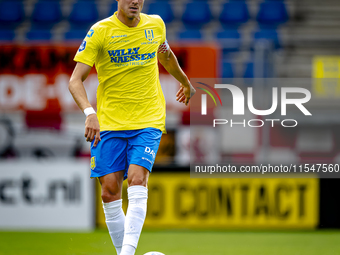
89	48
164	46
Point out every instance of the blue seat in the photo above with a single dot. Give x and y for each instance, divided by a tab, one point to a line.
39	35
190	34
75	35
196	14
162	9
7	35
230	40
11	14
46	14
270	35
227	69
234	13
83	14
272	13
249	70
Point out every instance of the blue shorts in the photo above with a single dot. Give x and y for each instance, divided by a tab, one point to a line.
118	149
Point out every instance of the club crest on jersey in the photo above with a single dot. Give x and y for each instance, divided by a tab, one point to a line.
82	46
149	34
93	162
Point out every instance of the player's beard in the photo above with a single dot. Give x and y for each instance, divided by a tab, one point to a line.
133	13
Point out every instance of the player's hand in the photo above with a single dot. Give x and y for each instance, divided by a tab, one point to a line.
92	129
185	93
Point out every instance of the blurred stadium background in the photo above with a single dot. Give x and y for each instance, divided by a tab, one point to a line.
44	160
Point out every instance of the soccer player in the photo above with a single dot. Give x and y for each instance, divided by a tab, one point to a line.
126	130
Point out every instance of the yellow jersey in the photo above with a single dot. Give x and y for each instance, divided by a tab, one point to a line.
129	95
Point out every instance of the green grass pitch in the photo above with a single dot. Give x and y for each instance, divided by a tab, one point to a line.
179	242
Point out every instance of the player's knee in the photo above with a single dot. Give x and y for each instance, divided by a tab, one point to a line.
137	180
110	195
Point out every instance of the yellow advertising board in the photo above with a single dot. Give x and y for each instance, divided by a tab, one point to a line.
178	201
326	74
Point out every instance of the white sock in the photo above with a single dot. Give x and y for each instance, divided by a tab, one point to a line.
135	216
115	220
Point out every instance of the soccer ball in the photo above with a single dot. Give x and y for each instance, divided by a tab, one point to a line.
154	253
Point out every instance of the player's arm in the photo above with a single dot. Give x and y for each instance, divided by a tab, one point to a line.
77	89
170	63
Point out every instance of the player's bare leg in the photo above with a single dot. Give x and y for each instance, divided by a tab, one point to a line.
138	175
135	216
112	202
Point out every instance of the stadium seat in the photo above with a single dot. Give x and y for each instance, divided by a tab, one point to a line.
83	14
272	13
250	72
270	35
191	34
227	69
162	9
7	35
75	35
196	14
39	35
230	40
234	13
11	14
46	14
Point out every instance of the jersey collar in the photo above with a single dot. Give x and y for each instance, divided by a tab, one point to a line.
115	19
